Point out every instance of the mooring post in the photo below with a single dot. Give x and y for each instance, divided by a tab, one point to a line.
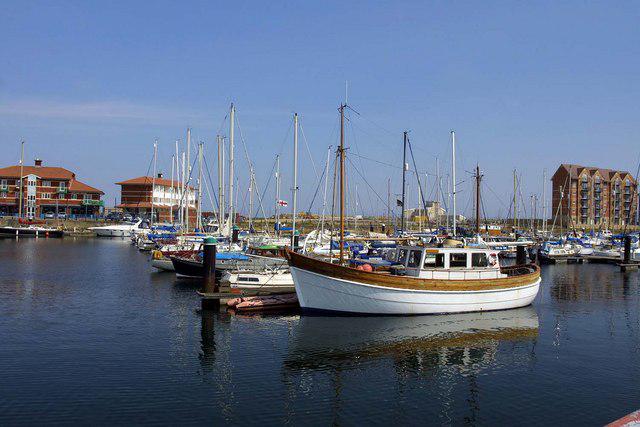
521	256
627	249
209	284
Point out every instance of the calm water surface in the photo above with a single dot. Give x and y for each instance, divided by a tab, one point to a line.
90	334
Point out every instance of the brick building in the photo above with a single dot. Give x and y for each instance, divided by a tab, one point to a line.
135	198
584	196
46	189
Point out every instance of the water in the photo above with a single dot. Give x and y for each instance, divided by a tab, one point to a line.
89	334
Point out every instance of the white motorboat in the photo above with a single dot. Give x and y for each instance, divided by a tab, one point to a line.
268	280
429	281
117	230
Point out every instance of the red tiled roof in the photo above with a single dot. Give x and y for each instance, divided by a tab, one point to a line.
148	180
82	187
607	174
46	172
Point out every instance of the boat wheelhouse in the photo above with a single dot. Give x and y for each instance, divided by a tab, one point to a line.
448	263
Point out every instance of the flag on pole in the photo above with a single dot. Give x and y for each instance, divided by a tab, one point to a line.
398	202
283	203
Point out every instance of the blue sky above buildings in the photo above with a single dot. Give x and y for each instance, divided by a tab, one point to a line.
89	85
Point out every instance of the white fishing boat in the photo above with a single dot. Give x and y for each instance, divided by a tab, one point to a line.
430	281
117	230
268	280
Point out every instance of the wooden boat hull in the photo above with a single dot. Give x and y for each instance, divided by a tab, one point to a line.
322	286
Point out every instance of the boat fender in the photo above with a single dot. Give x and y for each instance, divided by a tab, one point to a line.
367	267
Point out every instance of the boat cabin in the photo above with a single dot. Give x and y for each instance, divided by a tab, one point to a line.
449	263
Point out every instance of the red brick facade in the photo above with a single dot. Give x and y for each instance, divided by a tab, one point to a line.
46	189
587	196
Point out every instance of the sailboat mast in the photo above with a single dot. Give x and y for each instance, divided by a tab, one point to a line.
438	193
251	199
478	178
388	203
544	201
232	116
186	184
515	200
277	205
341	153
453	178
21	174
324	198
294	189
199	209
220	181
404	170
182	194
171	196
153	179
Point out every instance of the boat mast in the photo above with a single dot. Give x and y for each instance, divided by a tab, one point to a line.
176	194
232	116
153	179
21	173
294	189
220	142
478	179
199	208
453	178
341	153
182	191
388	204
544	201
324	198
251	199
515	201
186	184
277	206
404	170
173	163
437	193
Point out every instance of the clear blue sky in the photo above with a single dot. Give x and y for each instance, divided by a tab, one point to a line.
526	85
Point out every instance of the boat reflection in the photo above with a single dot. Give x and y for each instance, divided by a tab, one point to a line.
468	340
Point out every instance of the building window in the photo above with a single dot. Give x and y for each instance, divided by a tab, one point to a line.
86	197
45	195
74	196
62	185
46	183
3	183
3	194
31	183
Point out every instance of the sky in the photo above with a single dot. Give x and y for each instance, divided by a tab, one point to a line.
89	85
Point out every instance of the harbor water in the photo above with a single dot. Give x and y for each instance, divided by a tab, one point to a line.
90	334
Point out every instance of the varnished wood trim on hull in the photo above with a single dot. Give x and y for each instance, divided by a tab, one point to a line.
522	276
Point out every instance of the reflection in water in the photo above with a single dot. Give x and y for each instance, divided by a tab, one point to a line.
336	349
467	341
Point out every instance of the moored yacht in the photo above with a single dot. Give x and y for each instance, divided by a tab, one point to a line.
117	230
425	281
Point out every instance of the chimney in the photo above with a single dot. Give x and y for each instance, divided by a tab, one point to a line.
159	174
38	162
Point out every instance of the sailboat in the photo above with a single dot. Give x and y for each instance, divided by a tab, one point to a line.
426	280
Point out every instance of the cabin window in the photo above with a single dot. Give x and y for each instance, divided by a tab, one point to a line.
248	279
433	261
402	256
479	260
458	260
414	259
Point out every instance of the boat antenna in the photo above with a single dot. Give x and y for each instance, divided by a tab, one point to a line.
478	180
